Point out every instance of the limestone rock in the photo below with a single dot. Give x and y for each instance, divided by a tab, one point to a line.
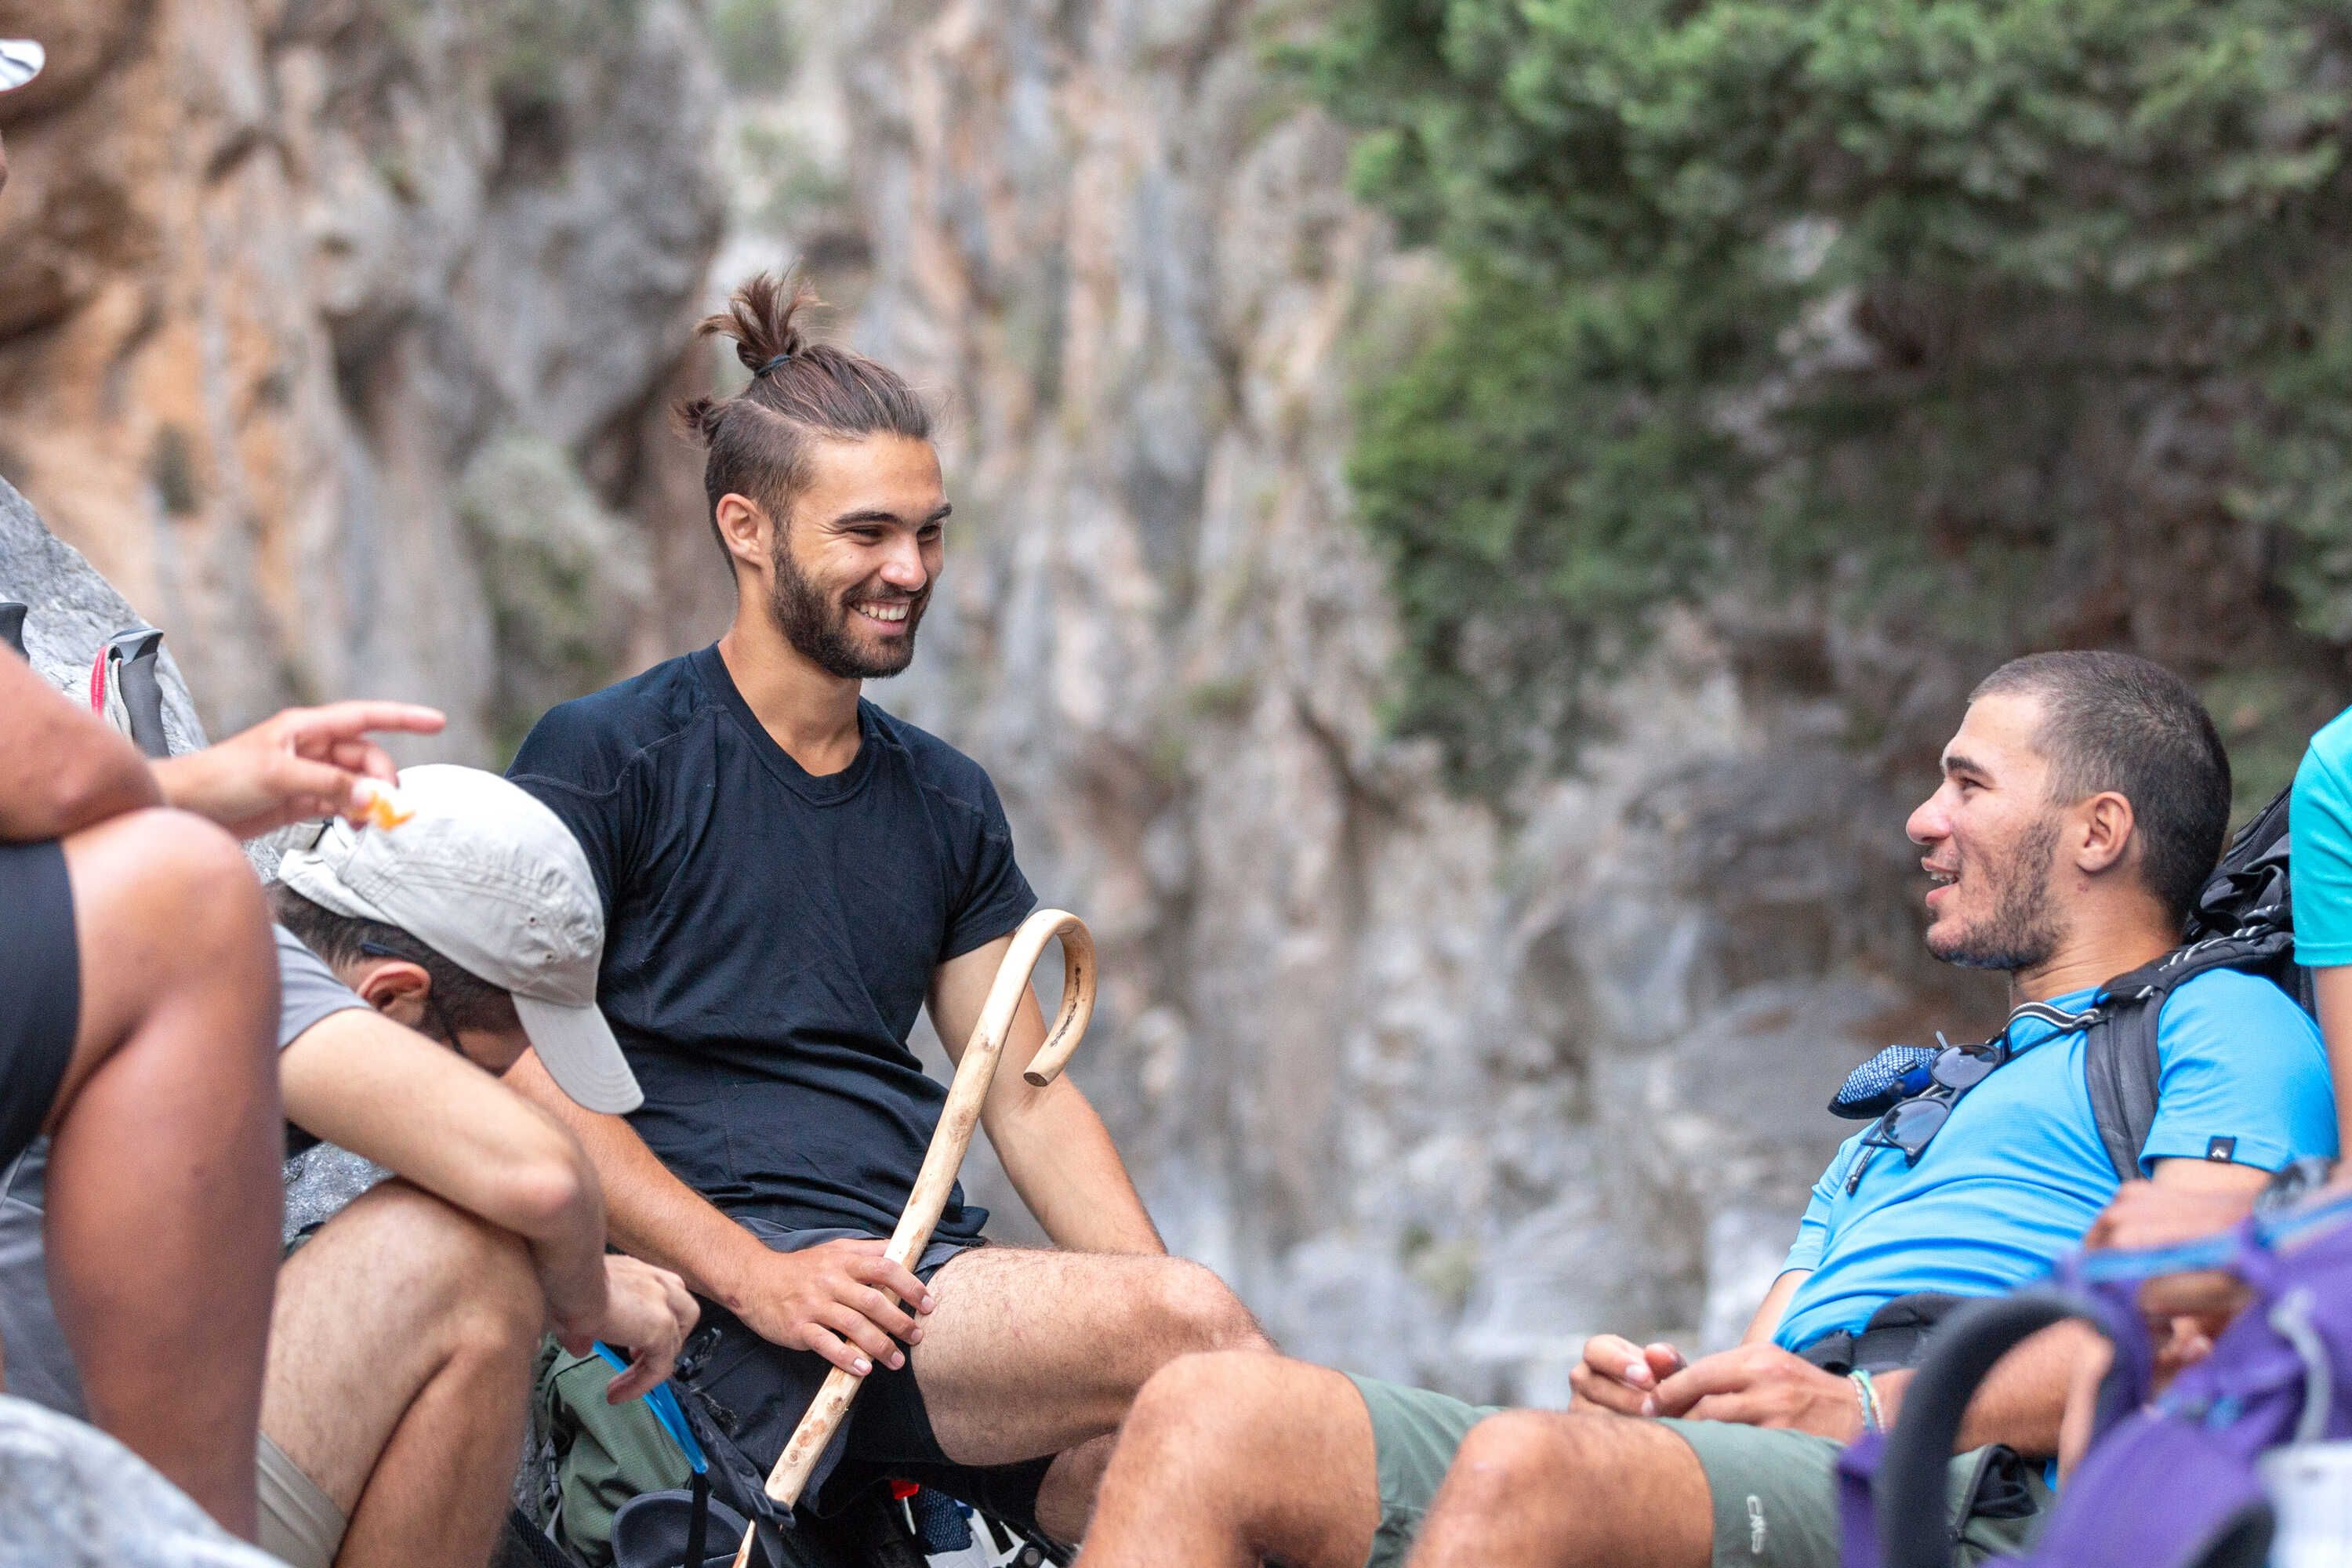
274	273
74	1497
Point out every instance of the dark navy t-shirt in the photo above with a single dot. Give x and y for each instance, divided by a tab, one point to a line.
771	935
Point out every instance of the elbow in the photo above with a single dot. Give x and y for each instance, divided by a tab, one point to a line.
550	1192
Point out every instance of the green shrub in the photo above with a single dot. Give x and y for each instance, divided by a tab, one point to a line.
1957	313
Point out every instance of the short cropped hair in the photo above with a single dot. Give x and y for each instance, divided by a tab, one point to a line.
2118	722
460	996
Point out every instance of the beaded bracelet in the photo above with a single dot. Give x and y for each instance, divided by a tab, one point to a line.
1866	1394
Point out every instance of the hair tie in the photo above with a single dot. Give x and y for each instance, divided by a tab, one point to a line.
784	358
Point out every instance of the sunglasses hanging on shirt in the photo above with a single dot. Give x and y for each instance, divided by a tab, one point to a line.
1913	1090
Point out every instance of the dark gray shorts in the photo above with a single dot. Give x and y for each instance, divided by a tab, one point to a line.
40	988
757	1392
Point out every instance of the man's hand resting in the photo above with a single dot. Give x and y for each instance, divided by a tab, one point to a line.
648	1312
841	1299
2184	1313
1761	1385
1622	1377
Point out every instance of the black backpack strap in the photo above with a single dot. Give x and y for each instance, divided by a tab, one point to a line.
2120	1063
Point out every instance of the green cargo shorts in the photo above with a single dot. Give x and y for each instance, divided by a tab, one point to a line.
1775	1493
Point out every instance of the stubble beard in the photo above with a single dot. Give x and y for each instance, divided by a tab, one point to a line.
817	626
2022	930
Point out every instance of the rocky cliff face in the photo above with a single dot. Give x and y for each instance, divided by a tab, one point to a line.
334	330
1443	1088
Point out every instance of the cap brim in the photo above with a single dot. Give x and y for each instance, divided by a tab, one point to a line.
21	60
577	1047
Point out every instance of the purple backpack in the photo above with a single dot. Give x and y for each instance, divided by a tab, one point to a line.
2168	1483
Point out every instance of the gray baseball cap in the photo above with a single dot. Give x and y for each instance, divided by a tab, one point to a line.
488	877
21	60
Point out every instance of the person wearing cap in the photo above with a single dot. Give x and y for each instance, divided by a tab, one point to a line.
421	950
136	984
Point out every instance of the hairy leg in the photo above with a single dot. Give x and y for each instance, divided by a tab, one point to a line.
1066	1498
163	1196
400	1362
1230	1460
1031	1352
1542	1489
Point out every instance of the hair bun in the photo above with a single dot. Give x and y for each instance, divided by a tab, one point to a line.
760	316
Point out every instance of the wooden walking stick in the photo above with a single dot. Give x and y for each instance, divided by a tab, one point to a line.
966	1094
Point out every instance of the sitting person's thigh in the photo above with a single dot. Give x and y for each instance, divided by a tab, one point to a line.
362	1318
1775	1495
1035	1350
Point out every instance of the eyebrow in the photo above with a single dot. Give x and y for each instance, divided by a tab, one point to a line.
1959	765
875	514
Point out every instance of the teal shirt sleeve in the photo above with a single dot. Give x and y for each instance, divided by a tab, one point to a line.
2241	1062
2319	823
1814	1230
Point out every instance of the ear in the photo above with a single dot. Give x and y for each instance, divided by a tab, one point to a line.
749	531
396	988
2105	832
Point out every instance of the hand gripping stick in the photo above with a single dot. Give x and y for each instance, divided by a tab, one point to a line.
966	1094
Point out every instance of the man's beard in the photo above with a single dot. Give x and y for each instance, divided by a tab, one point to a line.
818	625
2021	932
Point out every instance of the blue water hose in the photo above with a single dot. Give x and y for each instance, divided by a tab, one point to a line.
662	1399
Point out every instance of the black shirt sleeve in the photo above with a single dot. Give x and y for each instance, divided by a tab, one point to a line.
996	897
560	764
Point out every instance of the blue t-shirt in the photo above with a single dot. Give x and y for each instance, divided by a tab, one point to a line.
2017	1174
770	935
2319	821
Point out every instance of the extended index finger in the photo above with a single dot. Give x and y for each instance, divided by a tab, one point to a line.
348	721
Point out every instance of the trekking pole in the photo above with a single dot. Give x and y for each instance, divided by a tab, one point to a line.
966	1094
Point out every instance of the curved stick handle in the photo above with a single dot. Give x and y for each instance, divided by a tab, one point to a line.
966	1094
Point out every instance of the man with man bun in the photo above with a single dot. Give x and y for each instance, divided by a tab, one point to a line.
790	875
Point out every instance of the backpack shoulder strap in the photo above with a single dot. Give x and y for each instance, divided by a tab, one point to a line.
2121	1065
2122	1069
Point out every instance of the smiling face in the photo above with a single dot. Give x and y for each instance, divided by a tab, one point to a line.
1991	835
853	569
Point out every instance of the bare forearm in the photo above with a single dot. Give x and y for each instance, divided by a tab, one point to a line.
1066	1169
366	1084
2023	1400
649	1213
62	770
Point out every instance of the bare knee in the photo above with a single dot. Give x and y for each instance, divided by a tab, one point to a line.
1514	1454
172	924
1200	1312
179	909
173	872
472	1282
1205	1406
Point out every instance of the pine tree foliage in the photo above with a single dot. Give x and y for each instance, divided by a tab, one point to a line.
2021	322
